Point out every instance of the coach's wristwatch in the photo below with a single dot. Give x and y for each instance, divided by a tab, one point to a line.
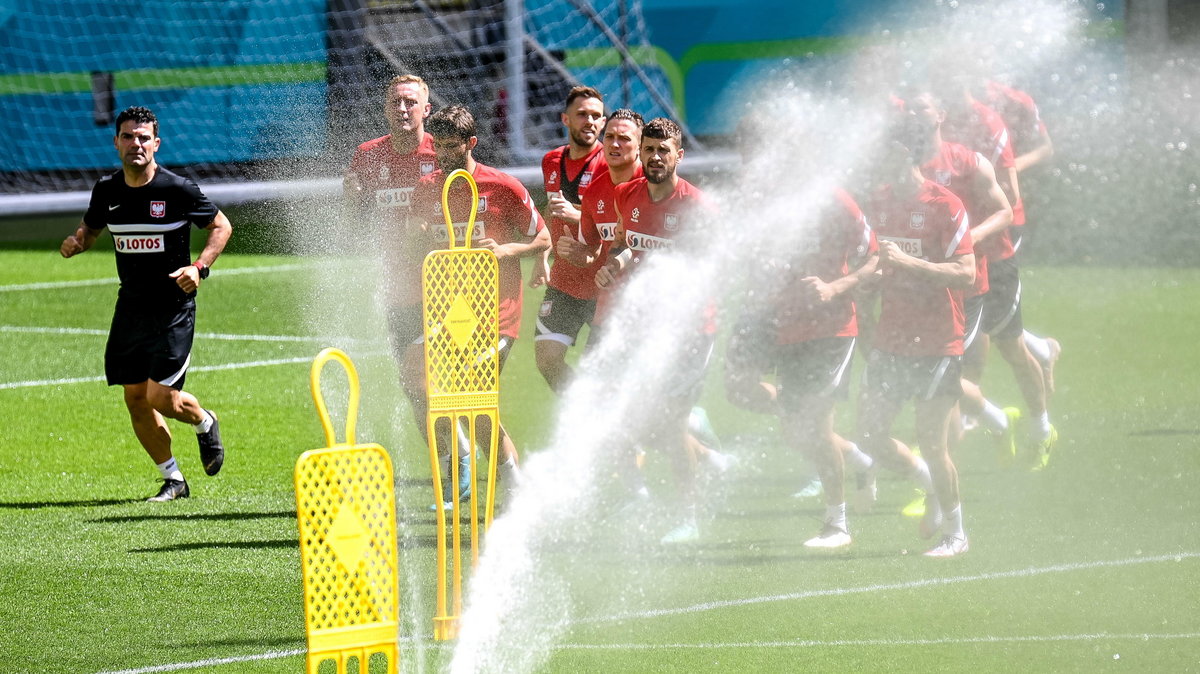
202	268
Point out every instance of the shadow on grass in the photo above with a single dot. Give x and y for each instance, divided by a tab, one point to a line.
90	503
289	543
1163	432
279	642
288	514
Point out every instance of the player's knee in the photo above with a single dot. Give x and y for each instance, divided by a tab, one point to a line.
136	399
166	400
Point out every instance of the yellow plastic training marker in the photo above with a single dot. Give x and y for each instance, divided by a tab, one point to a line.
461	288
346	509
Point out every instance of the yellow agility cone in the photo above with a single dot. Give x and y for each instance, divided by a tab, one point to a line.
346	510
461	294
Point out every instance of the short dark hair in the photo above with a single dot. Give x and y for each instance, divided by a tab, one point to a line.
627	114
452	120
582	92
137	114
661	128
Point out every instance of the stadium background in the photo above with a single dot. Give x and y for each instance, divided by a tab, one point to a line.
267	99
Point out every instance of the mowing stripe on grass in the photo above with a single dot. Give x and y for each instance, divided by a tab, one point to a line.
910	585
51	285
200	335
202	368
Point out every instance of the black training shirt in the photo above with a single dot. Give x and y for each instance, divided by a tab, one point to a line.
149	225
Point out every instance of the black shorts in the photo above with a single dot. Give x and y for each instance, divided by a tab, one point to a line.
817	367
407	330
900	378
150	340
973	319
1002	303
751	351
562	316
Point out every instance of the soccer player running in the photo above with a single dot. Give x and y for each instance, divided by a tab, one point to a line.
652	212
378	188
926	263
1032	147
507	223
149	209
570	299
814	336
977	126
972	178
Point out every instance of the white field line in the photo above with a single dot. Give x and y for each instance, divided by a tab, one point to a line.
112	280
271	655
804	643
945	641
910	585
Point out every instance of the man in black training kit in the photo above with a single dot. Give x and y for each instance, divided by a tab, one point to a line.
148	208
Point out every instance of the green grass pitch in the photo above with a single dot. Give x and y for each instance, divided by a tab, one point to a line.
1090	566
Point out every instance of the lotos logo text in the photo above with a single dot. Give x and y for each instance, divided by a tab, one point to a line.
639	241
908	246
158	209
607	230
393	198
460	232
138	243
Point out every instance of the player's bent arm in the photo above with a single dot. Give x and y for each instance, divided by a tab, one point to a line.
855	278
219	231
956	272
539	243
83	239
1043	151
1002	215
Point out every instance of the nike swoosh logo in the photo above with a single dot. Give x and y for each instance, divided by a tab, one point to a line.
113	208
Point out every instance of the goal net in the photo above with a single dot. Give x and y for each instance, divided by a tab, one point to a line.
249	91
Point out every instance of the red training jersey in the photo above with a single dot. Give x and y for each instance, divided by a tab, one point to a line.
598	227
956	168
918	317
506	214
985	132
388	179
1020	113
653	225
571	177
840	236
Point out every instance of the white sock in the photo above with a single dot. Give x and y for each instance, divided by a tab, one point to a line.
835	515
464	442
995	417
920	473
952	524
509	473
1038	346
858	460
205	423
170	470
1043	427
